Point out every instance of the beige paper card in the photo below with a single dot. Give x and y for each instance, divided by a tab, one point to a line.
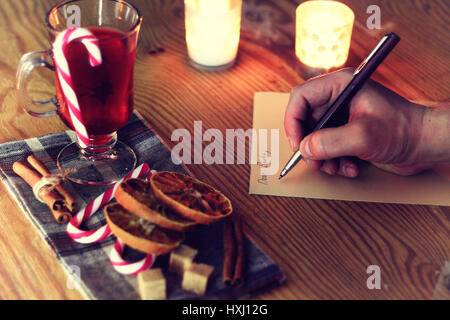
373	184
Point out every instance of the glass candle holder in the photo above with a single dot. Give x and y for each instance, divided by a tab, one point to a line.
212	32
323	33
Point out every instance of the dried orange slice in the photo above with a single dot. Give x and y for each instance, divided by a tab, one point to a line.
189	197
136	196
139	233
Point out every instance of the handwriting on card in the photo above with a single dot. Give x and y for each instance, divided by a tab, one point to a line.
264	163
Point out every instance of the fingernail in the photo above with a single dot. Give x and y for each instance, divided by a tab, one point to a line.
345	170
349	171
292	144
306	149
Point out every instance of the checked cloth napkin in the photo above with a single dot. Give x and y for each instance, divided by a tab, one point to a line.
88	266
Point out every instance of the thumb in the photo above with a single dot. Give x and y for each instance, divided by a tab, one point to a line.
352	139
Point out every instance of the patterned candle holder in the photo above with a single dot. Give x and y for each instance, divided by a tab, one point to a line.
323	33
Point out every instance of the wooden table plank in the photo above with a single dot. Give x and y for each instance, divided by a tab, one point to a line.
324	247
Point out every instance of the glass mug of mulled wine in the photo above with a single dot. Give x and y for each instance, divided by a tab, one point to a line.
93	53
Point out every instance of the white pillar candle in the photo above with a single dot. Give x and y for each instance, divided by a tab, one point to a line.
212	31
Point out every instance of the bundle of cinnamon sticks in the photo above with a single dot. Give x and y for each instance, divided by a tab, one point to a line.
233	251
61	203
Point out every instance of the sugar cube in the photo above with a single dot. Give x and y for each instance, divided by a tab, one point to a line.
152	284
181	258
195	278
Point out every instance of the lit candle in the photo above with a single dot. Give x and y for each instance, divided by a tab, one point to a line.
323	33
212	31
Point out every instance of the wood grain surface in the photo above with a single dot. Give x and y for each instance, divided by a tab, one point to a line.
324	247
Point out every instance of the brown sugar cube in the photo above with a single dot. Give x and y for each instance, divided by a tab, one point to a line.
195	278
181	258
152	284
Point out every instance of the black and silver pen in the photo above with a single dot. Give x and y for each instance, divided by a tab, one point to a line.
361	74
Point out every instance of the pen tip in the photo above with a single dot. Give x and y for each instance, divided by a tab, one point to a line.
280	177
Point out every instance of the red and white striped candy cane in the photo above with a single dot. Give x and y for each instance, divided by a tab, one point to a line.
125	267
129	268
65	79
83	236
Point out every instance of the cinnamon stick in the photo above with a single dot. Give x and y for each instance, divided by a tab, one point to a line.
52	199
234	254
40	167
238	278
229	253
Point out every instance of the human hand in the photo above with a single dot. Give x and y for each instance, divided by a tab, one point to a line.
383	128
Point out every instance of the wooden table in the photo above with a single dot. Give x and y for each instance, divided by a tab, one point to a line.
324	247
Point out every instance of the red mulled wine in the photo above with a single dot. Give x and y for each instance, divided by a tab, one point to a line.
104	92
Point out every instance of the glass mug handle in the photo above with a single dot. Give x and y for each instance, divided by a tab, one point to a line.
27	63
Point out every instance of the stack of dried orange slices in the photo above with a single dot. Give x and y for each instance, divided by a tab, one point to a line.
151	216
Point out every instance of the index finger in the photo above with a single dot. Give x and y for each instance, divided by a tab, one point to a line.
312	97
